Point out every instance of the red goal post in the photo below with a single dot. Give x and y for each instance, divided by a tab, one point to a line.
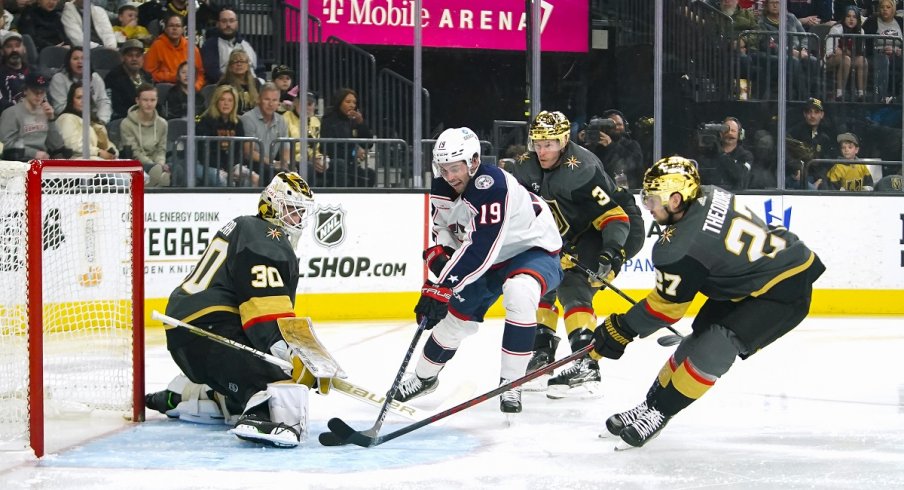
72	298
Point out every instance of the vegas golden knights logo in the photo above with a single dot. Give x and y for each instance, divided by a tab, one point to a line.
329	226
561	222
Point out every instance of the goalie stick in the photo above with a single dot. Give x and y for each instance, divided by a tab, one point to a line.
342	433
665	340
341	385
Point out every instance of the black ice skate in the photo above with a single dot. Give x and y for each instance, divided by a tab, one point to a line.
413	386
510	401
644	429
584	374
253	428
544	353
617	423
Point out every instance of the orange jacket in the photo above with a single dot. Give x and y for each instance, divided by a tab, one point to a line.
163	59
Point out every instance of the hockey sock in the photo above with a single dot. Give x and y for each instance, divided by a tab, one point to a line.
547	317
579	323
678	385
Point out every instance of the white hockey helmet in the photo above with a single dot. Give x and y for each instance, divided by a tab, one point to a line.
287	202
456	145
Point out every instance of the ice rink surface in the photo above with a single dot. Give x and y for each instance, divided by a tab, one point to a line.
821	408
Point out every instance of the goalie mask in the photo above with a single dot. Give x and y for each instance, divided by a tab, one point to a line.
549	126
456	145
287	202
668	176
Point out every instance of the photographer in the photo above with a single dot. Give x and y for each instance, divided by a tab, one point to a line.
723	161
609	139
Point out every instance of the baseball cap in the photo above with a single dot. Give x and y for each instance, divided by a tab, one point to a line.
280	70
36	80
850	137
11	35
814	103
293	92
131	44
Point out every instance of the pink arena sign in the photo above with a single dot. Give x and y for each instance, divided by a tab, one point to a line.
470	24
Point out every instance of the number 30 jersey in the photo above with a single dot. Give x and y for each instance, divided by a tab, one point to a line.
494	220
246	279
722	250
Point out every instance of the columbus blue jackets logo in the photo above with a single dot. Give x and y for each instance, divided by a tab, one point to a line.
483	182
329	226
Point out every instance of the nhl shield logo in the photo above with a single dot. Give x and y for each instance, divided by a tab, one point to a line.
329	226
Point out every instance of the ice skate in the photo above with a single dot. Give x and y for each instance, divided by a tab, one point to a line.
617	423
255	429
544	353
413	386
510	402
647	426
583	377
164	401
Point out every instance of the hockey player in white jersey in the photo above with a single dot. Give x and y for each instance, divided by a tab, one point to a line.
492	237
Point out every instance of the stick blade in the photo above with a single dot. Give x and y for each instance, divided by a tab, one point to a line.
347	435
330	440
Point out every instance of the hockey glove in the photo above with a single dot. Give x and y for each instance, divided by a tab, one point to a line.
299	372
610	263
611	337
567	261
436	258
434	304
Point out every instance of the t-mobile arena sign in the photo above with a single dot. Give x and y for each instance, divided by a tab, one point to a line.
494	24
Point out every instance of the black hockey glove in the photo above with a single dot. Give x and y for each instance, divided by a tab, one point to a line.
610	263
434	304
436	257
611	337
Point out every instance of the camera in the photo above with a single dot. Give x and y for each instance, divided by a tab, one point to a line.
597	124
709	135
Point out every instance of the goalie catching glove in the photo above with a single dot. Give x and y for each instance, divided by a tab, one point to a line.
300	373
611	337
433	305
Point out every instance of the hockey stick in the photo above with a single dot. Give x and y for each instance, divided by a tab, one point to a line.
335	438
665	340
344	433
342	386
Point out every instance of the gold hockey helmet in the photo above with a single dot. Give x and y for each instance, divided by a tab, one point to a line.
670	175
287	201
549	126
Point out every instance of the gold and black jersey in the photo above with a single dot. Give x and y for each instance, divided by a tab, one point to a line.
578	192
246	278
721	250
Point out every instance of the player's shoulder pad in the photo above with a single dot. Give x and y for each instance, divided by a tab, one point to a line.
487	184
260	237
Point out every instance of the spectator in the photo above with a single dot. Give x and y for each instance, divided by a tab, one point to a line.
16	7
43	21
839	7
25	128
815	135
101	28
851	176
318	162
127	26
812	12
176	103
885	54
69	124
153	13
513	153
220	119
13	70
265	124
620	155
243	80
123	80
144	132
802	67
345	121
217	49
727	164
794	177
282	76
168	51
743	19
72	72
844	53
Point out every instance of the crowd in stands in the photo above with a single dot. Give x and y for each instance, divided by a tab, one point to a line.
139	96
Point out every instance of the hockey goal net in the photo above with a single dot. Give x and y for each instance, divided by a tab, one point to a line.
71	296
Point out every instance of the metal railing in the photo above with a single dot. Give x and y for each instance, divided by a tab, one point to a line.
818	168
864	61
381	162
757	62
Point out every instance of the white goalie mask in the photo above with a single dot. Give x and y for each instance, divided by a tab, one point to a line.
456	145
287	202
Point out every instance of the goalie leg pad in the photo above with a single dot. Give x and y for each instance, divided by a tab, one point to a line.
284	420
289	405
194	403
